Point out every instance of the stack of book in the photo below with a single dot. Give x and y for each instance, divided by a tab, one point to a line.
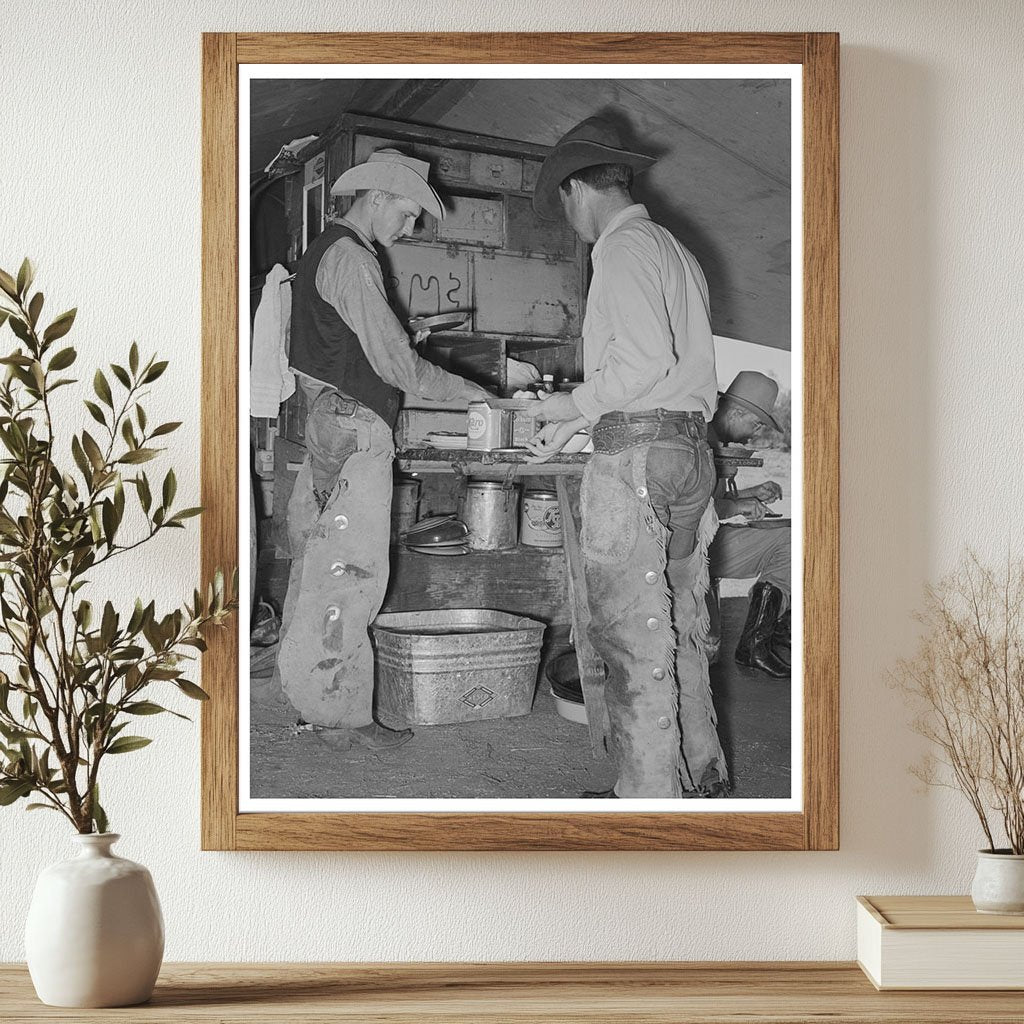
938	942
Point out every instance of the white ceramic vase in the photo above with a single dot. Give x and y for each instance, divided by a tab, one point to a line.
999	882
95	934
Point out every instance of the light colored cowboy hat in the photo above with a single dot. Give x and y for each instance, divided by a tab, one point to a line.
593	141
391	171
756	392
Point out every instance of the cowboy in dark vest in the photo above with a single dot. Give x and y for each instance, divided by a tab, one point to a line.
352	358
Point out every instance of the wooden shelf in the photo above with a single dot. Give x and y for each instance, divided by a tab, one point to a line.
524	993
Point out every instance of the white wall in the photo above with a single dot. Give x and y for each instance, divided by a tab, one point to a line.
100	183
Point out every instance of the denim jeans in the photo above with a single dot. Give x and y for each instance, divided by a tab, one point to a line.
647	519
338	531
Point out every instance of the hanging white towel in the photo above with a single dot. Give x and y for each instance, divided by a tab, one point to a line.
270	380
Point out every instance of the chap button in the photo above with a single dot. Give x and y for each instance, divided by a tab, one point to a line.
651	577
341	522
663	722
641	492
338	569
652	623
658	673
333	613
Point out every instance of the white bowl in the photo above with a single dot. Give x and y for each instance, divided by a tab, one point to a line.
569	709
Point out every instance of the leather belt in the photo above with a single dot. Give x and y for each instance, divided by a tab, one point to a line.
349	407
616	431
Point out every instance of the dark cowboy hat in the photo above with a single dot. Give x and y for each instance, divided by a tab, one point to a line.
592	141
756	393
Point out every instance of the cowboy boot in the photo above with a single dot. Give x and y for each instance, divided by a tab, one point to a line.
754	649
780	642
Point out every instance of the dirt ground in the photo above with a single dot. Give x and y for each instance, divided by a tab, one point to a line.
539	755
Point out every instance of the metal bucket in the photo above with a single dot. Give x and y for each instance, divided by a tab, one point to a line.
454	665
490	512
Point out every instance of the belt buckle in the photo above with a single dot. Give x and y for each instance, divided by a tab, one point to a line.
348	407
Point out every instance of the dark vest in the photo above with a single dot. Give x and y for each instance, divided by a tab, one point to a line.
323	345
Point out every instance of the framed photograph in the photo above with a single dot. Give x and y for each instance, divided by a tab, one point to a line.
612	623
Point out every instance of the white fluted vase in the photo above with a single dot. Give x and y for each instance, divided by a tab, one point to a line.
998	886
95	933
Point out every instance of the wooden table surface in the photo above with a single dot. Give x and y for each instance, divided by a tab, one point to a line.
660	993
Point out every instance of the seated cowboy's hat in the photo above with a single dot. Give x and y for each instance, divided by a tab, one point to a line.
593	141
756	392
391	171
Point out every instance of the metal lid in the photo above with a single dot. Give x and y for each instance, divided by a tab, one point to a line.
540	494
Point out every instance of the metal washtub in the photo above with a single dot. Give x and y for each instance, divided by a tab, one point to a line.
453	665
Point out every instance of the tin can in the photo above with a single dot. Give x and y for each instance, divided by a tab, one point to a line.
488	428
405	503
489	512
524	426
541	522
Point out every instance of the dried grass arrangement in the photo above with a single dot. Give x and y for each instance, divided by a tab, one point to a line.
967	680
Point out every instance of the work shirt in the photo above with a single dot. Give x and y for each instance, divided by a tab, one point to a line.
350	279
647	333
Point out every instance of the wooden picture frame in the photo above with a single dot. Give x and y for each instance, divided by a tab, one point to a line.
816	825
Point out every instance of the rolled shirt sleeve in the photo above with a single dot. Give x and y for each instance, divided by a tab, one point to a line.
350	279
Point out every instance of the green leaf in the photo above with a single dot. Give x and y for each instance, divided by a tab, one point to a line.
138	455
185	513
15	790
102	388
140	415
170	487
83	613
26	274
34	308
165	428
128	433
99	816
20	329
144	707
95	412
191	690
121	374
80	459
133	358
126	744
108	626
60	326
63	359
8	285
154	371
41	807
109	521
4	314
145	497
92	449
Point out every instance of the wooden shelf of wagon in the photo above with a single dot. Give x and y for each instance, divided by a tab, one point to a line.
493	465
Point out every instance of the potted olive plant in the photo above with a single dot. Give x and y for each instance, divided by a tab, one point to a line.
967	682
76	672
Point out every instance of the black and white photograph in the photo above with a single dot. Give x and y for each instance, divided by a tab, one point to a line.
523	431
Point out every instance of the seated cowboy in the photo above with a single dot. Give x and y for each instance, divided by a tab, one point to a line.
744	413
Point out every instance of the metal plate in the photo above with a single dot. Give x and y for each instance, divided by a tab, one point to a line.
442	321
